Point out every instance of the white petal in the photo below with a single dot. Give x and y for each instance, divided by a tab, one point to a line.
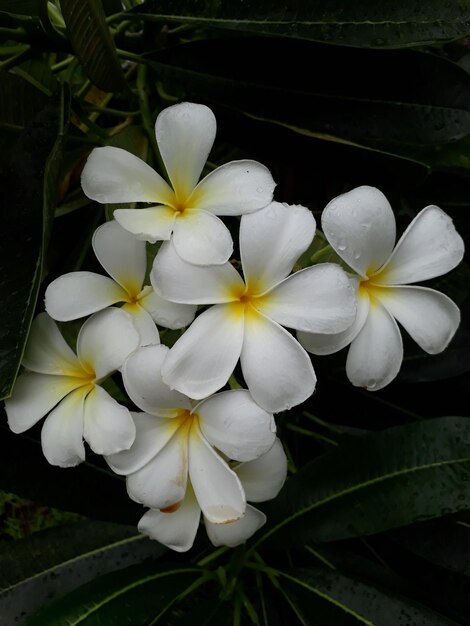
263	478
176	530
141	373
276	368
34	395
375	355
78	294
271	240
186	283
113	175
62	433
105	340
319	343
143	322
201	361
152	224
235	188
47	351
232	422
429	316
429	247
360	226
109	427
168	314
217	488
317	299
238	532
162	482
202	238
122	255
151	435
185	134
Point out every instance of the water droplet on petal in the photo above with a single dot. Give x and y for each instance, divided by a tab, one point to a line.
260	189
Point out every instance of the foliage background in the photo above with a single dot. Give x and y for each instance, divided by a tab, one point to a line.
373	525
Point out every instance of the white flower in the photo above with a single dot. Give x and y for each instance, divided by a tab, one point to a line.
360	226
124	257
186	211
261	479
246	321
56	377
176	437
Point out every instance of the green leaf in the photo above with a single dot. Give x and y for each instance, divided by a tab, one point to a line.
51	563
370	23
92	42
29	182
358	97
21	7
138	595
324	597
372	483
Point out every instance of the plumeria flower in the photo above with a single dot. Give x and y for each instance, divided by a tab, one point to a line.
360	226
246	321
78	294
261	479
187	210
177	438
56	377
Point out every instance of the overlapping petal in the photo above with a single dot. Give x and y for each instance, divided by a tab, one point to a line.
202	360
168	314
276	368
151	224
263	477
237	532
271	240
235	188
360	226
113	175
78	294
429	247
62	432
317	299
144	324
233	423
202	238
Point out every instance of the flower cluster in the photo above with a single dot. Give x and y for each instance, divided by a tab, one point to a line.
193	449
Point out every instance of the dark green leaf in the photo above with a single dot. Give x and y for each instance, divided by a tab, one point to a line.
370	23
137	596
21	7
368	484
91	39
51	563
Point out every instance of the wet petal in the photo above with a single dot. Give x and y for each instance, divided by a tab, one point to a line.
235	188
202	360
168	314
263	478
141	373
217	488
375	355
122	255
180	281
360	226
62	433
79	294
276	368
317	299
109	426
105	340
152	224
113	175
429	247
430	317
202	238
144	324
238	532
185	134
232	422
271	240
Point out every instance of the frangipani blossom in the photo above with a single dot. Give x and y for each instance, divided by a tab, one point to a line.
187	210
124	257
246	321
360	226
261	479
56	377
176	438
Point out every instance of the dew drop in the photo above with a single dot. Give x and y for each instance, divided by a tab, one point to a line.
342	247
259	189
